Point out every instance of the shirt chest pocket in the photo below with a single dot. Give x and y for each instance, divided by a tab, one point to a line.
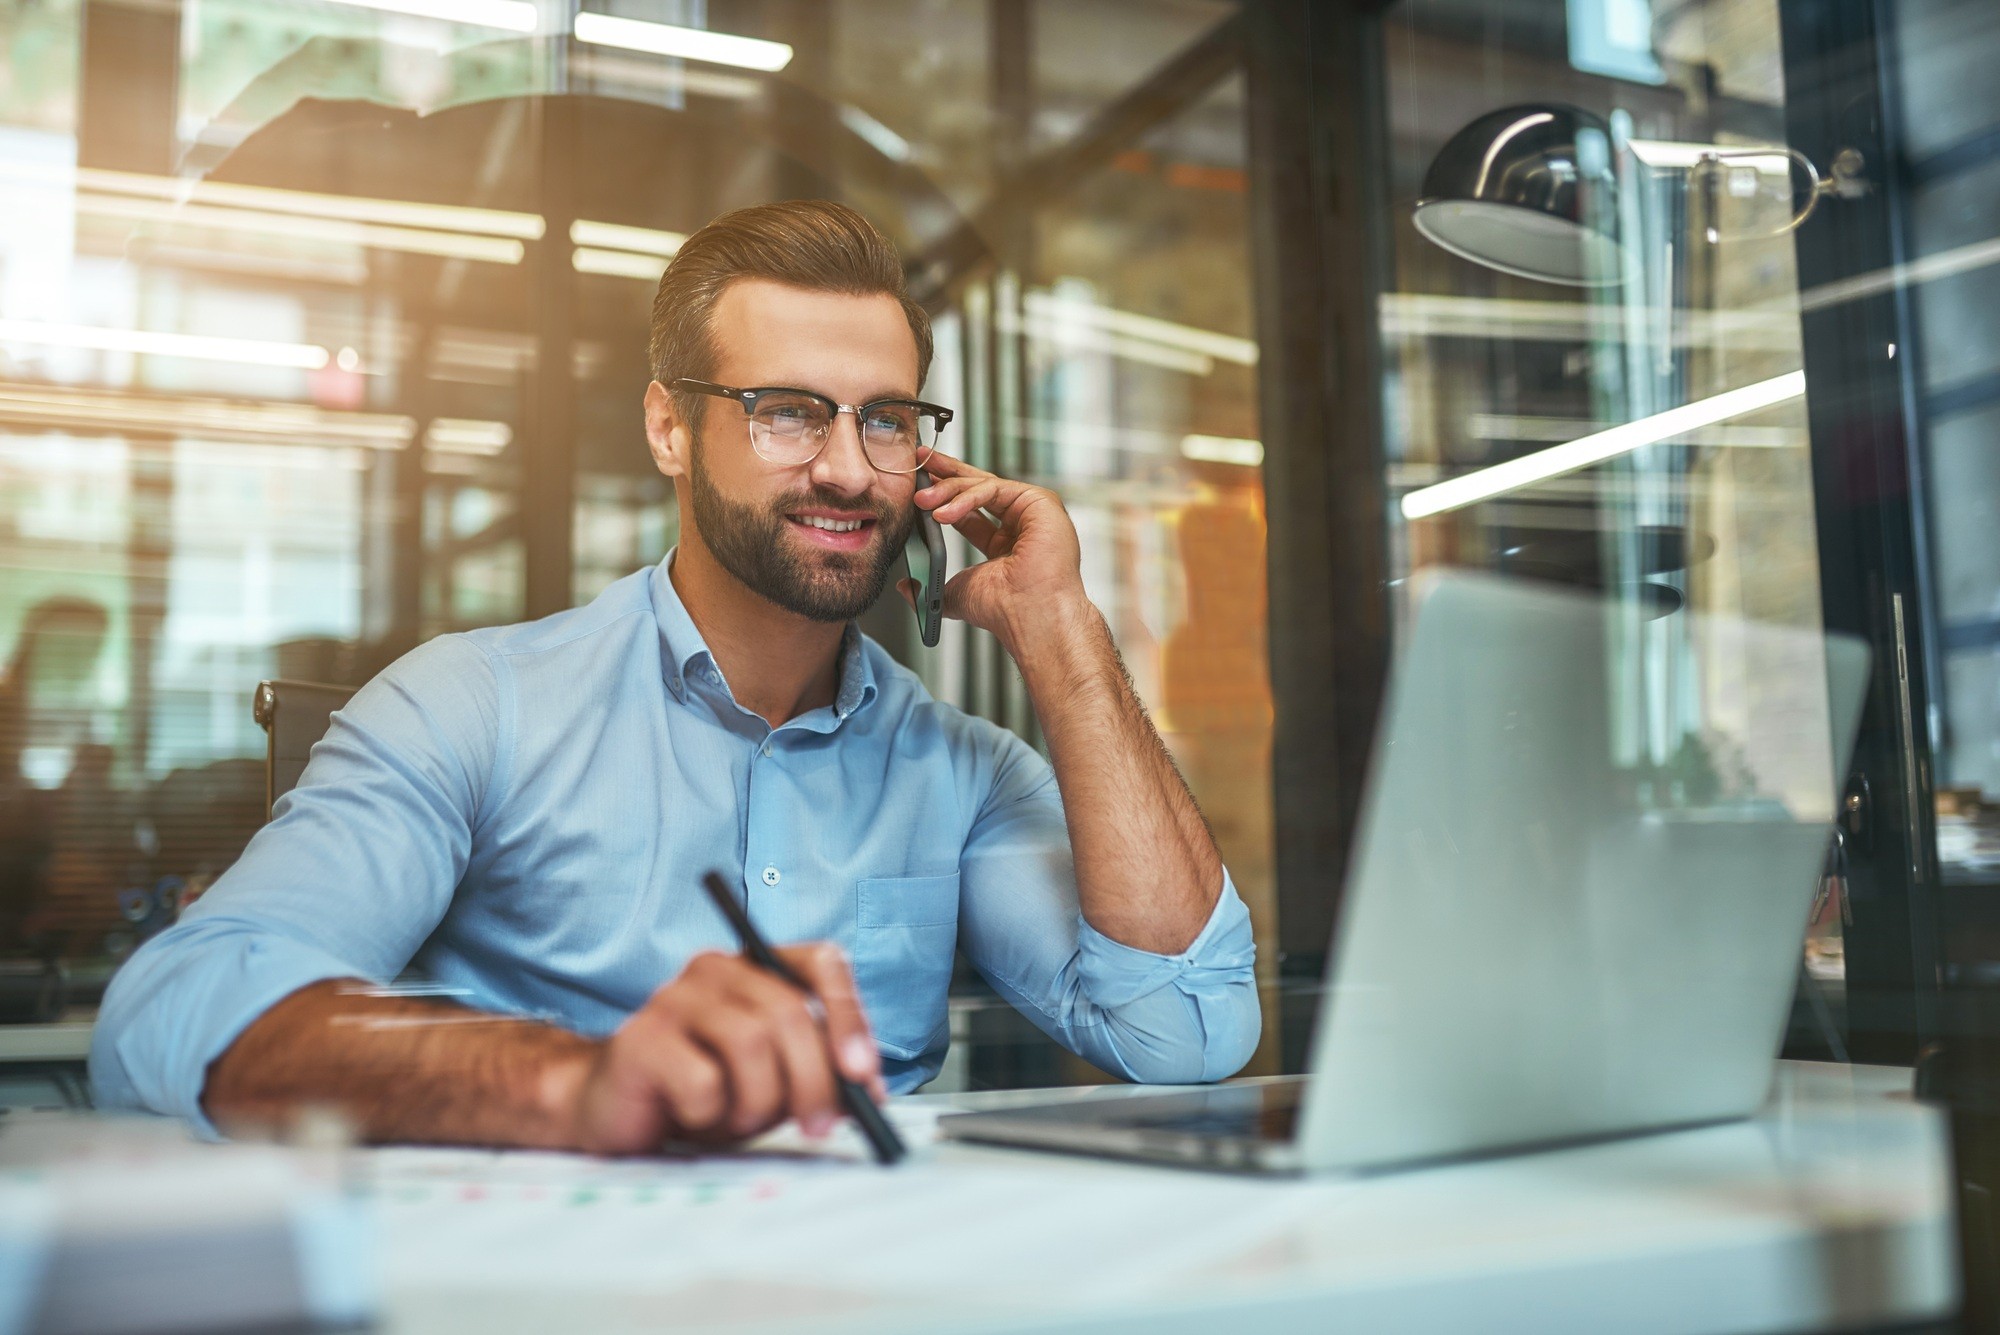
906	930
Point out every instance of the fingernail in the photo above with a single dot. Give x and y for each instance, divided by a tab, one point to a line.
816	1125
857	1054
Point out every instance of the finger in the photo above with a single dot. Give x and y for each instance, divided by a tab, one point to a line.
908	588
824	967
741	1044
939	464
1007	500
687	1081
955	594
984	534
986	493
798	1044
939	493
650	1083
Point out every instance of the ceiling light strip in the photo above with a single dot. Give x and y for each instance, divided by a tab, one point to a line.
333	231
279	423
1170	333
508	15
1223	450
1928	269
667	39
617	236
618	264
1595	448
247	351
356	208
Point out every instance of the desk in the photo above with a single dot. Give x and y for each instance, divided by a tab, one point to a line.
1832	1208
66	1040
45	1065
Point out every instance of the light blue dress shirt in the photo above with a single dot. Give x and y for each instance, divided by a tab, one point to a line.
524	813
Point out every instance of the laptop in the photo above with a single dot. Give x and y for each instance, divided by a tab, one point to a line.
1577	903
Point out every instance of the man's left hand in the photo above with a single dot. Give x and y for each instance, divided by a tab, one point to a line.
1032	574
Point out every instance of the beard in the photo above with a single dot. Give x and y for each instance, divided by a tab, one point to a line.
754	543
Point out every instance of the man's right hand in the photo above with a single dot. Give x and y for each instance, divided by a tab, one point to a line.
723	1052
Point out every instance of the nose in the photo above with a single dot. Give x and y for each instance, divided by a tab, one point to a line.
843	465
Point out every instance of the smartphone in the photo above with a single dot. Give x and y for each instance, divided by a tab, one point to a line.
924	555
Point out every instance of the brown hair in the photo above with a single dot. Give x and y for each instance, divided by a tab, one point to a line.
809	243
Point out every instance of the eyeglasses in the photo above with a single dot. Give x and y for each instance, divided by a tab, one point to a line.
789	427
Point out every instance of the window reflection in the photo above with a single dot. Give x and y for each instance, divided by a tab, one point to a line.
322	332
1635	423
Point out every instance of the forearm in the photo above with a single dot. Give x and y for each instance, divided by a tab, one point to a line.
402	1069
1147	869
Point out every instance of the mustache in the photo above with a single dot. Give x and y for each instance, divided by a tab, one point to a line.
826	498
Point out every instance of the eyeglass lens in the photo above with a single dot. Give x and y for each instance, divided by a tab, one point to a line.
792	428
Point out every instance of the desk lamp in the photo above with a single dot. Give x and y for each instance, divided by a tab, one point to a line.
1528	190
1531	190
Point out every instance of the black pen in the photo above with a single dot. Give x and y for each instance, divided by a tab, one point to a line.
882	1137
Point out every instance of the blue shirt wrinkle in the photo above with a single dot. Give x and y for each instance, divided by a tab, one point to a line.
524	812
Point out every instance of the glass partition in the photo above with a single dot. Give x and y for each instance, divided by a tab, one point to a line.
1690	303
1594	357
323	327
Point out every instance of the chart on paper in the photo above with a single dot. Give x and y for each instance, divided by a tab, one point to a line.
745	1231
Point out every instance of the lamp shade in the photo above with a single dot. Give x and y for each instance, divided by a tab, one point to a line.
1527	190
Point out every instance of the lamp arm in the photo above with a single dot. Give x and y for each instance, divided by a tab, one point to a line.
1845	175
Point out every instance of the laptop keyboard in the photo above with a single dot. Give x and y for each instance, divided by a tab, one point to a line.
1267	1112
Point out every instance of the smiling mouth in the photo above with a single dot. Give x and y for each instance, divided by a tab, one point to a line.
830	525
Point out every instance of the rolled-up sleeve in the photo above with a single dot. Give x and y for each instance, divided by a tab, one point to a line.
355	869
1160	1019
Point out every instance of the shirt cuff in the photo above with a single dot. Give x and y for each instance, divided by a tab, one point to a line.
167	1018
1115	974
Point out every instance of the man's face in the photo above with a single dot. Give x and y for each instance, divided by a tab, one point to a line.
767	524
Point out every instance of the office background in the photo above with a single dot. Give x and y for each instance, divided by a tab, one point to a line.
322	332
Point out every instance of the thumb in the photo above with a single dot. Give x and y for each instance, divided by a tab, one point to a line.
955	590
908	588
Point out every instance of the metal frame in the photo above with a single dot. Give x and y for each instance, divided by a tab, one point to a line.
1318	164
1868	505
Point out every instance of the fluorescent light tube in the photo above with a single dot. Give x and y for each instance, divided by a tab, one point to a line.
334	231
1077	336
211	419
879	136
666	39
617	236
511	15
1169	333
1223	450
618	264
357	208
246	351
462	435
1595	448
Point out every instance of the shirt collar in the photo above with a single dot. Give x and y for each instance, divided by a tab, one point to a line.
683	650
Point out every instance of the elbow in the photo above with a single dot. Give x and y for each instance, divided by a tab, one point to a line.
1230	1051
1213	1037
1232	1024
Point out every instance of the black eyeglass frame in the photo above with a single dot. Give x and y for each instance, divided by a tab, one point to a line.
749	398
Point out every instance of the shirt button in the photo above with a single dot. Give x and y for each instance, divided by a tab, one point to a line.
771	876
767	748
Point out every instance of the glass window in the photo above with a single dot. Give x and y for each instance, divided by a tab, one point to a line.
1949	122
324	333
1595	356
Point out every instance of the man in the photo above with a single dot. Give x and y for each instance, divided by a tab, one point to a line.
524	812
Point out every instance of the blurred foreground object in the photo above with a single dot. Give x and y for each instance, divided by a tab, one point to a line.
115	1226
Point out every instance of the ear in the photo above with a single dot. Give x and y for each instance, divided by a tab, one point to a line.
667	436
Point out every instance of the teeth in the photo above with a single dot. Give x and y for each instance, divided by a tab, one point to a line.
830	525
